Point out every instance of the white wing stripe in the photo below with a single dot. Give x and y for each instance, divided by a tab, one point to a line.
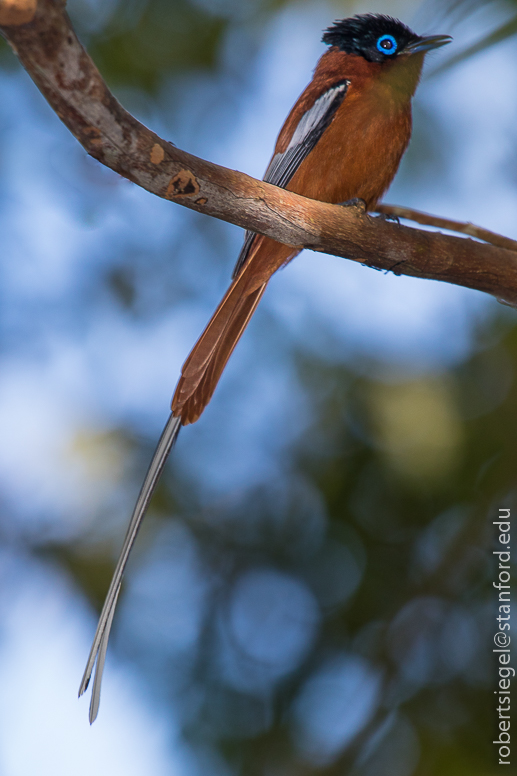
315	115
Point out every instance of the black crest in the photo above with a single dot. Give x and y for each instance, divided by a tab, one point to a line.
375	37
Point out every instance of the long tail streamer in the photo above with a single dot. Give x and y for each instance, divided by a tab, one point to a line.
100	641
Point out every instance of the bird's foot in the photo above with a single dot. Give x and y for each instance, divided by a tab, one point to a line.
388	217
394	266
357	203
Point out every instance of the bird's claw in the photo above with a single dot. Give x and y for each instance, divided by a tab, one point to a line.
388	217
356	202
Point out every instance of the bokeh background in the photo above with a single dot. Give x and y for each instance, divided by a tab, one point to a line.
311	591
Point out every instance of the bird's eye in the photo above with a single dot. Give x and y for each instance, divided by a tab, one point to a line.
387	44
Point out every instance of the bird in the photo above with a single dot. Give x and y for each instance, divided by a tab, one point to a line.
342	141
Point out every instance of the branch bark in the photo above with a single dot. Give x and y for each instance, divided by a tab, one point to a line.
41	35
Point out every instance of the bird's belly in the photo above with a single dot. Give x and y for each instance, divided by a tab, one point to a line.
357	156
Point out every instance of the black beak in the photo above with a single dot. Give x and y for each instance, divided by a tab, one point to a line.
426	44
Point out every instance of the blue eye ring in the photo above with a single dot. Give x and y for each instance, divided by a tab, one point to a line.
388	50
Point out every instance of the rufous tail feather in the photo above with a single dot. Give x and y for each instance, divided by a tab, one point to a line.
205	364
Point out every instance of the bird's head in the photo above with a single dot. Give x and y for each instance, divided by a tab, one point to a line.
386	42
379	38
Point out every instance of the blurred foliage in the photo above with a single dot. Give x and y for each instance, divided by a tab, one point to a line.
145	41
138	43
406	476
380	518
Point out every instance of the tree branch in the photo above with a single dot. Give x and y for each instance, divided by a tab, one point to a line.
40	33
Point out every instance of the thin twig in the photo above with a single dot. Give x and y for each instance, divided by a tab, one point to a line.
465	227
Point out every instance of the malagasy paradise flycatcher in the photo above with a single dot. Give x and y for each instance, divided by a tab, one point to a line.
343	140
